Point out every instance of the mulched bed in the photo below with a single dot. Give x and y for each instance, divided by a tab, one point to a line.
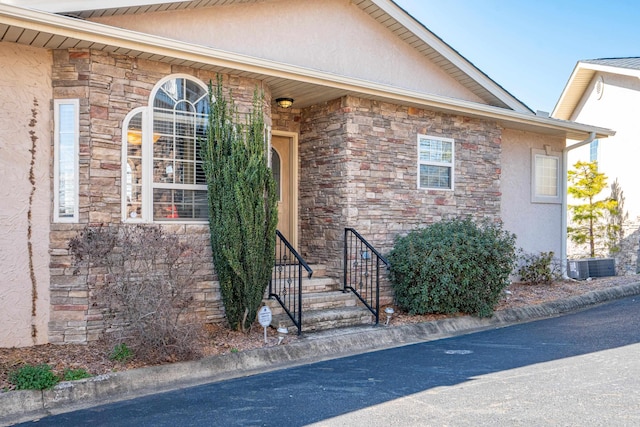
94	357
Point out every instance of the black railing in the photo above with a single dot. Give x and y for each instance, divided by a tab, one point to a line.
286	281
362	264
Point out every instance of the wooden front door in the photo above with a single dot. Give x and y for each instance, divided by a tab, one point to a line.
282	164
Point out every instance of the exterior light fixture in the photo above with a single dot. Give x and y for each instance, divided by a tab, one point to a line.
389	312
282	333
284	102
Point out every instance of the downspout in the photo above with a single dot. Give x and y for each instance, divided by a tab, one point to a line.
565	170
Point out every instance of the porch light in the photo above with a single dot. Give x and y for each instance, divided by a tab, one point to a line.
284	102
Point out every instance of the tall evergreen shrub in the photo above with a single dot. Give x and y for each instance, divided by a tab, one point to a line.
242	205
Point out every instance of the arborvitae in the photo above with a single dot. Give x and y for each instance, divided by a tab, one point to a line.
243	211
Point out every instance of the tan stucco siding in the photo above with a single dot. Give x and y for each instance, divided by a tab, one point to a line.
538	226
25	120
330	35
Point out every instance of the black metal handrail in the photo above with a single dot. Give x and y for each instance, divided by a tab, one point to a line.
286	281
362	270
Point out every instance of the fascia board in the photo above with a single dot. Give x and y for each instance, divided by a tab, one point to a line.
570	96
449	53
112	36
611	69
573	91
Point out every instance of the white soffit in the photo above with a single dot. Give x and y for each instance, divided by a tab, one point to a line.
579	82
385	12
50	31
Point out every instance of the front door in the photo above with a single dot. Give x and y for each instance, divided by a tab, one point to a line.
283	161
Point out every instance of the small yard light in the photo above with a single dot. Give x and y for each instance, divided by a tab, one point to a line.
389	312
282	333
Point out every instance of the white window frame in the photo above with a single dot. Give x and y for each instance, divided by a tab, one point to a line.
536	196
148	184
450	165
145	166
57	104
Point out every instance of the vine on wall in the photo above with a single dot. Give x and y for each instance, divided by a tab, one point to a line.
32	181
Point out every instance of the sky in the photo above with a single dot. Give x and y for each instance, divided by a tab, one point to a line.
530	47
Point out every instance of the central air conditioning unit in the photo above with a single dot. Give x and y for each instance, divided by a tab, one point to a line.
582	269
578	269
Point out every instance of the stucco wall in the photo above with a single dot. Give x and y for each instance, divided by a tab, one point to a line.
616	107
538	226
330	35
25	120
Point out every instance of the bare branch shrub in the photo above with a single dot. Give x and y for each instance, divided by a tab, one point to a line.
143	278
539	269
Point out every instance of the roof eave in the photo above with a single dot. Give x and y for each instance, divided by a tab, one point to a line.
391	8
578	83
143	43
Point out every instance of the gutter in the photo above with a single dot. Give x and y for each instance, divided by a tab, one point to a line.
565	206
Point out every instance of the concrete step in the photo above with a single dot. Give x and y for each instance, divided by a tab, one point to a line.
316	301
320	320
313	285
319	270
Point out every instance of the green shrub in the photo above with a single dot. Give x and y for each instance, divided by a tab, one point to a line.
74	374
31	377
452	266
121	353
243	207
538	269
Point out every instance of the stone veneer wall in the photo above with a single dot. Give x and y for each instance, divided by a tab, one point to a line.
359	169
109	86
324	183
627	257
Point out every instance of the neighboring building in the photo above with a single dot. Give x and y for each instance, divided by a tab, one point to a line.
606	92
390	129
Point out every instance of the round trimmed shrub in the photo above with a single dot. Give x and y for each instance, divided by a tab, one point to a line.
452	266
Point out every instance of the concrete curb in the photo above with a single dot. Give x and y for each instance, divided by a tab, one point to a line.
20	406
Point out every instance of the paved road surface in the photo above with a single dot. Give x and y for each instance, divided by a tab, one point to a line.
581	369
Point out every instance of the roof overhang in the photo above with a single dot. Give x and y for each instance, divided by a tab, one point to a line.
386	12
579	82
51	31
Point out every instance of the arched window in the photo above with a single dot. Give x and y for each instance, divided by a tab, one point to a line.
167	178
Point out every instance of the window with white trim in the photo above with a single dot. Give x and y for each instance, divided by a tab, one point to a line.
435	162
66	113
132	165
593	151
163	170
546	170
